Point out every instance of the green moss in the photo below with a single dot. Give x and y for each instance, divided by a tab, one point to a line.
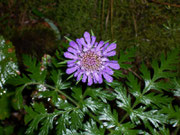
153	27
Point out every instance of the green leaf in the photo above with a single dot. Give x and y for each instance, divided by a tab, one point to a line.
163	70
19	97
19	80
92	33
166	67
39	108
153	116
63	123
34	124
77	93
99	93
177	87
79	80
145	72
64	105
34	67
47	124
114	84
134	85
126	129
63	62
71	76
71	132
126	57
30	115
110	120
149	83
69	119
37	116
77	117
156	99
91	104
164	131
123	100
68	39
173	114
92	129
118	73
56	76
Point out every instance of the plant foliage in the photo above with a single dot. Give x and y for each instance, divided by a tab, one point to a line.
60	106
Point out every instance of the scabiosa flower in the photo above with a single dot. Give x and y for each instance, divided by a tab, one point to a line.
89	59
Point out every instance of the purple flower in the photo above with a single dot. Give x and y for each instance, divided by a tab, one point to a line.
89	59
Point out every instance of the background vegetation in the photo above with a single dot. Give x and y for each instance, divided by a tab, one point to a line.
36	28
150	25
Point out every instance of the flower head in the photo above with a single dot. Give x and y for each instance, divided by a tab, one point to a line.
89	59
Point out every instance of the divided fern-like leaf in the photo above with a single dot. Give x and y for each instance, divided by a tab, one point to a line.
34	67
126	57
92	129
93	105
152	116
110	121
177	87
99	93
56	76
123	100
38	114
173	114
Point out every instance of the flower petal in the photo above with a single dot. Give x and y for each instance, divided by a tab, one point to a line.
93	40
108	71
71	70
107	77
104	59
110	48
113	65
96	76
69	55
90	81
105	46
95	45
100	79
109	54
83	42
76	73
70	49
79	76
74	45
71	61
87	37
71	65
84	78
101	43
79	44
95	81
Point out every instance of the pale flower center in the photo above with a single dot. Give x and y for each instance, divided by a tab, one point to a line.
90	61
